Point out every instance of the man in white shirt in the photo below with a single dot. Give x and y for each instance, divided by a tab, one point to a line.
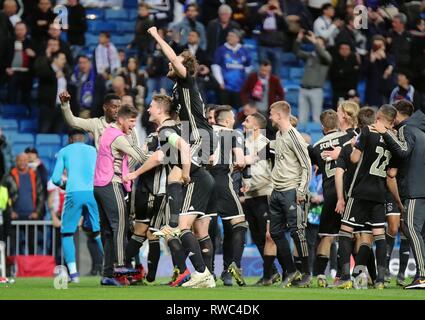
106	56
325	27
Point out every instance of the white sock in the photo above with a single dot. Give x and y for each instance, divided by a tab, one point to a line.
72	267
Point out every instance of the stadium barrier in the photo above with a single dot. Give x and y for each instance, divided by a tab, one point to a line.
33	248
2	259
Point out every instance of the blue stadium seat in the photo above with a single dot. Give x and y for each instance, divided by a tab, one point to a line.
118	14
122	40
316	136
104	26
48	151
28	126
127	27
18	148
292	94
250	44
132	15
131	4
64	140
13	111
313	127
9	124
91	39
284	72
289	59
23	138
296	73
94	13
48	139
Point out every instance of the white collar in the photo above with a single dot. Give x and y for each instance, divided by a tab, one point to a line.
234	49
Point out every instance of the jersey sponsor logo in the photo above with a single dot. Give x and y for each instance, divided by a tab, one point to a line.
192	208
329	144
352	219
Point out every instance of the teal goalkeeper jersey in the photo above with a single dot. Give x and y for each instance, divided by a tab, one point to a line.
79	161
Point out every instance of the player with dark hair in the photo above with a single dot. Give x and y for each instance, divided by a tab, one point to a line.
366	197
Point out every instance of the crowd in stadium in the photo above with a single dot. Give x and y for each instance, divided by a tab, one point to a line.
122	71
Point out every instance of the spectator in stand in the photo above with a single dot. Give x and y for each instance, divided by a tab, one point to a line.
315	73
400	43
315	7
343	73
241	14
248	109
106	56
6	156
375	26
405	91
142	40
378	68
19	68
263	87
135	81
52	81
218	29
27	198
10	8
42	18
162	12
157	69
209	10
77	27
272	39
86	88
181	30
418	37
55	32
55	202
353	36
35	164
325	27
231	65
118	87
419	73
7	34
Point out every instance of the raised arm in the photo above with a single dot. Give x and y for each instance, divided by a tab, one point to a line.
73	121
169	53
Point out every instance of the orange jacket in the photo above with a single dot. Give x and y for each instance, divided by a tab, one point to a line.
33	177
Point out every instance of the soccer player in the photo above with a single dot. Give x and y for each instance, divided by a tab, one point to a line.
198	186
229	153
410	148
188	104
344	173
366	200
257	192
79	160
330	221
111	166
291	177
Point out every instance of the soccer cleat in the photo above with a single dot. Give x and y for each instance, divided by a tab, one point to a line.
361	281
176	273
379	285
237	274
123	280
276	278
418	283
167	231
105	281
123	271
290	278
227	279
140	276
74	278
343	284
305	281
400	281
322	282
197	278
209	283
181	278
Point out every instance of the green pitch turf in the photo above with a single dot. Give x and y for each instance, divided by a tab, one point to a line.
89	289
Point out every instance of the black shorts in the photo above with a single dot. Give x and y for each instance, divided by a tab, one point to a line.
359	212
224	200
257	206
196	194
161	215
147	206
330	221
391	208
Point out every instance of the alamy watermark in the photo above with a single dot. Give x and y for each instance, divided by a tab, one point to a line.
360	17
60	282
61	19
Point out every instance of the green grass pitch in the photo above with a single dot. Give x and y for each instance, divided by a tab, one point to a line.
89	289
